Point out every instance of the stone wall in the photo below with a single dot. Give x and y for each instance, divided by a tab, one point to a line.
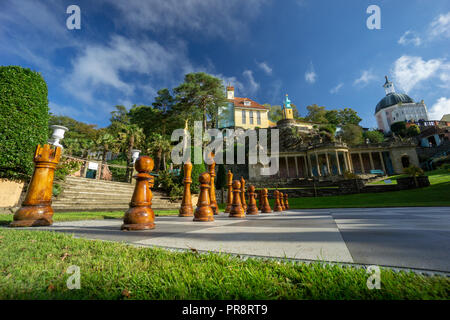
10	192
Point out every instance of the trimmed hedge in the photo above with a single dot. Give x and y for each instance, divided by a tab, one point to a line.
24	116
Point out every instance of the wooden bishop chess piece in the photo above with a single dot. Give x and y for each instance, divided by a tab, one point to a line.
278	207
243	202
212	190
204	212
140	215
186	209
265	206
230	191
36	209
252	209
237	211
281	195
286	202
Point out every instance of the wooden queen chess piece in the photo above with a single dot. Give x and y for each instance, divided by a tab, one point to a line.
243	203
186	209
140	215
212	190
237	211
229	192
252	209
265	206
36	209
286	203
278	207
204	212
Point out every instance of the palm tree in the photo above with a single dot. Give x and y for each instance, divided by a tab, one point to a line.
131	136
160	146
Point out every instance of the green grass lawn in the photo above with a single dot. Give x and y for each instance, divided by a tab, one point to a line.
435	176
33	265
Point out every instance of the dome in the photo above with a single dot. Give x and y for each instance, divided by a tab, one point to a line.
392	99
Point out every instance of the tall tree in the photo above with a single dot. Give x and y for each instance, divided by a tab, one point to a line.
316	114
164	102
352	134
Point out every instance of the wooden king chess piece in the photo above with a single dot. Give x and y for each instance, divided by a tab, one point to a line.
229	192
140	215
265	206
278	207
243	202
36	209
186	209
286	203
252	209
236	209
204	212
212	190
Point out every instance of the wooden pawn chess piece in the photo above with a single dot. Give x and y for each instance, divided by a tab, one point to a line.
204	212
237	211
265	206
36	209
252	209
140	215
229	192
243	202
186	209
286	202
212	190
281	195
278	207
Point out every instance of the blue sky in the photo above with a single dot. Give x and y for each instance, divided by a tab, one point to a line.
316	51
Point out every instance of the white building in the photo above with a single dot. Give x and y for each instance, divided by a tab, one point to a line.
395	107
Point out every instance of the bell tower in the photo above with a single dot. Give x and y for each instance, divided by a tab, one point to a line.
388	86
287	109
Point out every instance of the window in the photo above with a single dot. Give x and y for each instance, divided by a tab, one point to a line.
251	117
244	117
258	117
247	103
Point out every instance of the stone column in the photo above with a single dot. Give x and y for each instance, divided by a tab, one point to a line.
372	167
328	163
350	162
317	164
296	165
338	165
306	167
382	161
362	163
287	166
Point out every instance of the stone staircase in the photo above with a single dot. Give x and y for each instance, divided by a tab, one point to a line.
83	194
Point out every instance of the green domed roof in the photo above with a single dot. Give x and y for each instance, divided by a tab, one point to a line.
392	99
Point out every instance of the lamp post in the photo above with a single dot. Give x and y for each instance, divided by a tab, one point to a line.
58	134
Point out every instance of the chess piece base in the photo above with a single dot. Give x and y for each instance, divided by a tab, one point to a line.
138	218
186	211
204	219
33	216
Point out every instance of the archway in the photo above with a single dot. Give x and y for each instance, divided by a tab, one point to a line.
405	161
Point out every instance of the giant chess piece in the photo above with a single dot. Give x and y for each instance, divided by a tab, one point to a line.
286	203
230	191
204	212
36	209
278	207
265	206
140	215
212	190
243	202
252	209
186	209
237	211
281	195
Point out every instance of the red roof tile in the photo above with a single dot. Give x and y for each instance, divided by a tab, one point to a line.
239	103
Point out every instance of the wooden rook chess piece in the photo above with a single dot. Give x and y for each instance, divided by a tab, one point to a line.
278	207
204	212
243	202
282	201
252	209
36	209
186	209
212	190
140	215
265	206
237	211
286	203
230	191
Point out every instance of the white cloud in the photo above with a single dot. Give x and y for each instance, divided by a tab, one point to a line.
310	74
440	26
227	19
410	37
265	67
253	86
409	71
366	77
441	107
337	88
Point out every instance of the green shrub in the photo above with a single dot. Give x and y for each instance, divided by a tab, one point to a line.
413	130
118	174
399	128
24	117
66	168
374	136
351	175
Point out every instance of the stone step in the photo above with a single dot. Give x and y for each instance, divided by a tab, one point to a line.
105	207
88	201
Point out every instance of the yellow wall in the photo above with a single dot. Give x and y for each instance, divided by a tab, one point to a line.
247	125
10	192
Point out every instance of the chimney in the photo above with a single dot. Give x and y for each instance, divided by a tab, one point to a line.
230	93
